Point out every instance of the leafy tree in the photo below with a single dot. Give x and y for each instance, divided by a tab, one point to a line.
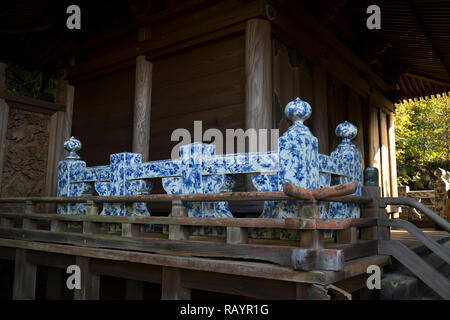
422	140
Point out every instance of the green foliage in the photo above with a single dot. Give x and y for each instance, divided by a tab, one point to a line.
422	140
30	84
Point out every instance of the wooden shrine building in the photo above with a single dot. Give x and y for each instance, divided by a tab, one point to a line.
139	69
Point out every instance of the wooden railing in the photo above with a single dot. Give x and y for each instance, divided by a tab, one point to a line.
436	200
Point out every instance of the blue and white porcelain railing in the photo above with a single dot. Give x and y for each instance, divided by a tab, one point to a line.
199	170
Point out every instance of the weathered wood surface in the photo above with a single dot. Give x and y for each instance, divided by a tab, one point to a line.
258	74
289	223
194	197
142	107
272	253
248	269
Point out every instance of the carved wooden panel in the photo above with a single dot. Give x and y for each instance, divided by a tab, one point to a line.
27	139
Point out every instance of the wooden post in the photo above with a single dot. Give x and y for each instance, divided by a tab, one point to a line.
90	283
258	79
142	101
258	75
385	167
392	157
92	210
236	235
372	138
60	131
134	290
4	114
375	209
55	275
171	277
320	110
25	272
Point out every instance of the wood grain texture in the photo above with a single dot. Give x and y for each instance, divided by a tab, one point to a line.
142	107
258	75
204	83
392	156
90	282
4	115
103	116
385	160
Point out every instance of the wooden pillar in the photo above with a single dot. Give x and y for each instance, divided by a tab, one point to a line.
372	152
258	80
24	271
142	101
4	114
90	283
134	290
60	131
258	75
319	107
392	158
385	161
172	288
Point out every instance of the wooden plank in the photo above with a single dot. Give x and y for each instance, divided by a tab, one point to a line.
238	285
172	32
258	75
90	282
385	159
306	291
289	223
243	268
347	236
137	272
318	259
31	102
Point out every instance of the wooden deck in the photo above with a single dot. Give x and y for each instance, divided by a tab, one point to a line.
412	242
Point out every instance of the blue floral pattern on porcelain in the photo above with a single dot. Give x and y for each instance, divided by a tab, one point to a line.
200	170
